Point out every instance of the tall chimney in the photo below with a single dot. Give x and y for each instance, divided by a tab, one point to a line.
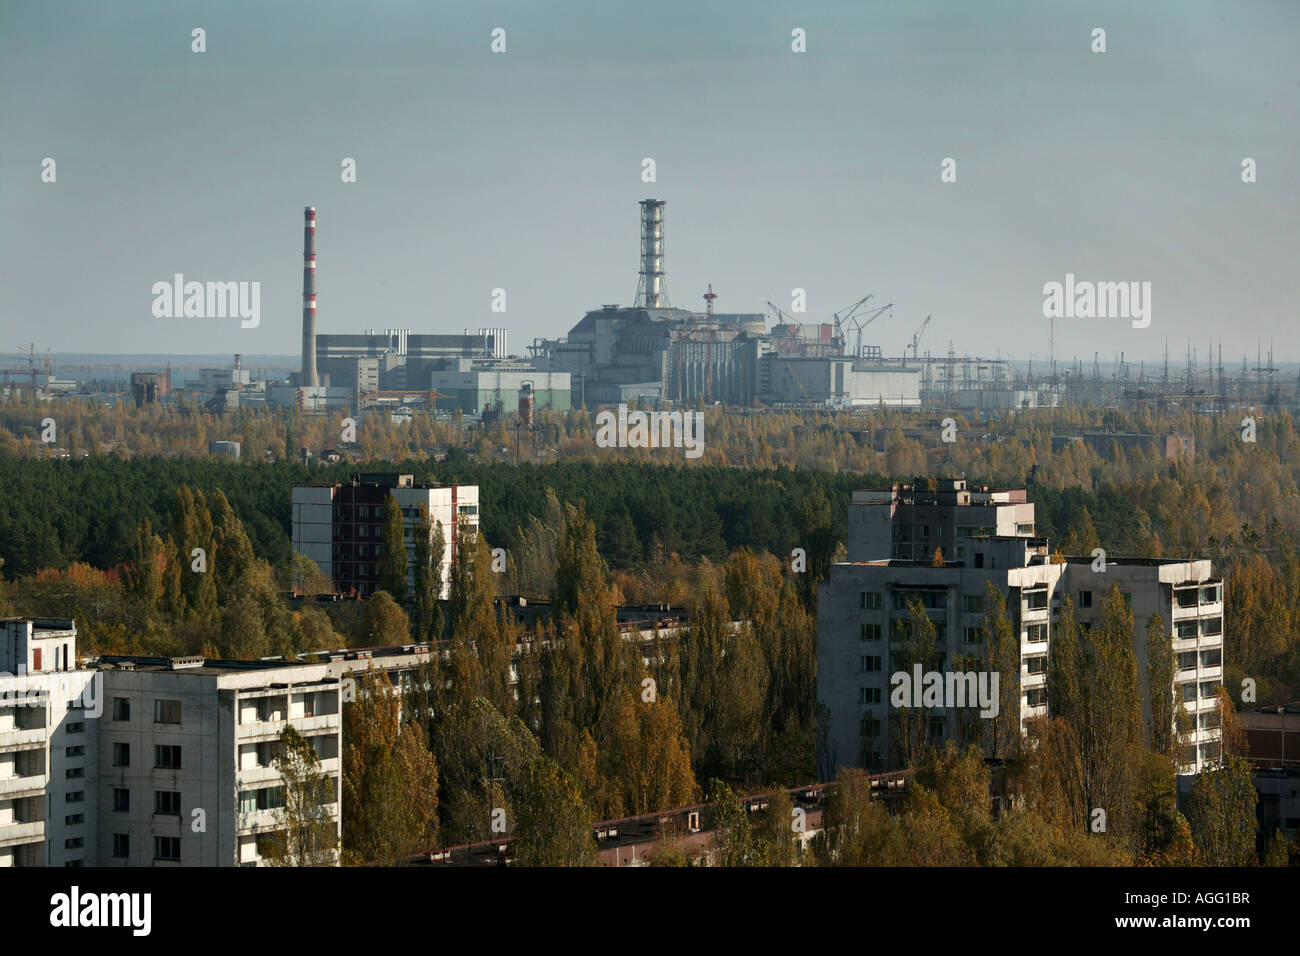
652	290
308	376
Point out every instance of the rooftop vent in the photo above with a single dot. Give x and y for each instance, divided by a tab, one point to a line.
184	663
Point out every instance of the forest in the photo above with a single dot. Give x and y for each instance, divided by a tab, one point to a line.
105	538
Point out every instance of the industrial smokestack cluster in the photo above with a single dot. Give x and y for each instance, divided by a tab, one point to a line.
652	290
308	376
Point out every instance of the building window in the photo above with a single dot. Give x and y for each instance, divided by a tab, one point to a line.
979	559
1036	697
870	725
1085	599
121	845
1187	661
121	800
166	757
121	755
1212	658
870	632
74	843
74	773
868	695
73	819
75	796
166	711
267	798
870	664
1185	629
1186	597
1212	594
363	511
869	600
972	603
167	802
1036	665
78	751
1188	691
166	848
76	728
1036	633
1036	600
974	635
1209	688
121	708
1212	626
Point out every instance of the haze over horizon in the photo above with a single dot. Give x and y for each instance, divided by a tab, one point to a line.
522	170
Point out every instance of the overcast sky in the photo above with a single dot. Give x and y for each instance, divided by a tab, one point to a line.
522	170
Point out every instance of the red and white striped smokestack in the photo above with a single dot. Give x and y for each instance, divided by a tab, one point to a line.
308	376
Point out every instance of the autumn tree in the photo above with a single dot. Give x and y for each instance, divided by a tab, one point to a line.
1221	813
390	778
306	833
383	622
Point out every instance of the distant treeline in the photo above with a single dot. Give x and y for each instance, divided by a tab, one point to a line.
55	512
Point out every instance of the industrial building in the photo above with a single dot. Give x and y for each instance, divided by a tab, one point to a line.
138	761
989	536
472	385
654	352
340	526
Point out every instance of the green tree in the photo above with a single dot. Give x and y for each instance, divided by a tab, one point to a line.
390	573
428	584
553	825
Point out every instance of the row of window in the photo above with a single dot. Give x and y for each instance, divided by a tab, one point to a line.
164	848
164	711
1199	627
164	801
1188	660
1207	689
165	756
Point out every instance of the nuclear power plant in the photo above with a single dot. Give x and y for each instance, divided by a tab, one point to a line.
653	352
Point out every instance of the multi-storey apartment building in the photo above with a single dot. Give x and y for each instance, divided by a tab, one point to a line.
138	761
988	536
48	757
340	527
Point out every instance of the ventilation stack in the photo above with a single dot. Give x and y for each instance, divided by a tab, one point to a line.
308	376
652	290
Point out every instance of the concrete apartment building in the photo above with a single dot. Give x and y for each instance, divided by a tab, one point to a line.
340	527
137	761
48	754
988	536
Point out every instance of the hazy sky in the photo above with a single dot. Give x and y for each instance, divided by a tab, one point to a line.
522	170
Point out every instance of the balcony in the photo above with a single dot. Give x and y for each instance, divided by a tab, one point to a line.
22	739
14	833
270	729
16	786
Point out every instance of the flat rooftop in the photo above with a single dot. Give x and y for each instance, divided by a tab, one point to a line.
187	665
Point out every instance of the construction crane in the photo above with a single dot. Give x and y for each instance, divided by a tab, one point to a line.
848	313
780	316
863	321
916	336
